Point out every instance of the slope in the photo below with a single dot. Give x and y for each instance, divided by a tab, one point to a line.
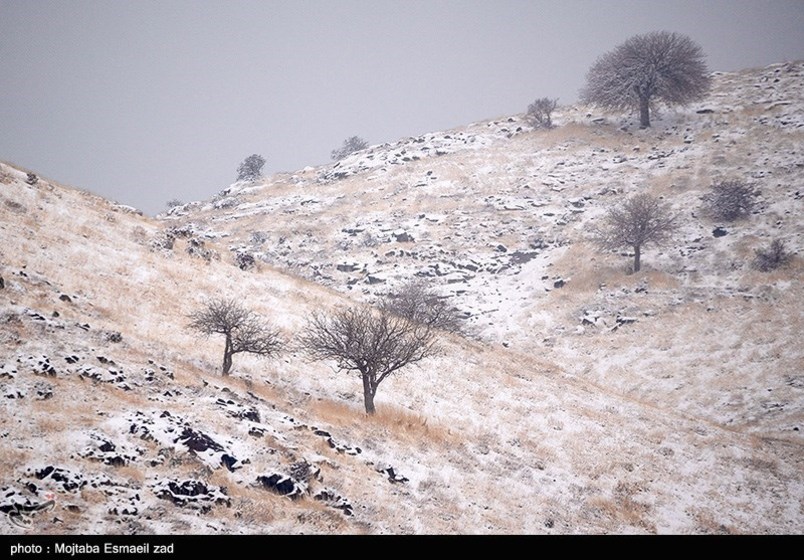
112	407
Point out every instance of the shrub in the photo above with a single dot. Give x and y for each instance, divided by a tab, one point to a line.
418	302
730	200
775	256
349	146
540	112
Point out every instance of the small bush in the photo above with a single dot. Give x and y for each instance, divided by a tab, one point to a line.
730	200
773	257
419	302
350	145
540	112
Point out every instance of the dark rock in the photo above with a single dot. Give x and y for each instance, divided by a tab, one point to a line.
501	248
704	111
334	500
65	479
197	441
393	477
282	485
229	462
719	232
32	179
521	257
65	298
304	471
404	237
2	283
113	336
559	283
107	446
44	391
191	493
347	267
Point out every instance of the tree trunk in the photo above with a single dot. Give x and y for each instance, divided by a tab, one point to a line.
368	394
227	355
644	112
637	249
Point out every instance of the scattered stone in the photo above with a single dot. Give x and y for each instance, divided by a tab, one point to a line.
31	179
112	336
393	477
305	472
39	364
7	370
65	298
197	441
191	493
719	232
63	479
44	391
334	500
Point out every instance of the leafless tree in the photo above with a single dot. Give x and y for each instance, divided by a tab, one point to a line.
250	169
350	145
373	343
418	302
641	219
540	112
730	200
244	331
657	66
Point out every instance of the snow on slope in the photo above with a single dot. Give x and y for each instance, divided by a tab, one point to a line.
497	216
111	405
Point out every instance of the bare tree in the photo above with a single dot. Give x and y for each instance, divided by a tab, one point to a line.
250	169
373	343
540	112
641	219
244	331
657	66
350	145
418	302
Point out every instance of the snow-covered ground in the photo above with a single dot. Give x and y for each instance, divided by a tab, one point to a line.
588	399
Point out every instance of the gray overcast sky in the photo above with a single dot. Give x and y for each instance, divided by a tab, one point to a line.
144	101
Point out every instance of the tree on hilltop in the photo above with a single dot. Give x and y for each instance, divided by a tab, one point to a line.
658	66
250	169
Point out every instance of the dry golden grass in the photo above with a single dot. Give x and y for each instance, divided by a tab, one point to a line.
623	510
401	424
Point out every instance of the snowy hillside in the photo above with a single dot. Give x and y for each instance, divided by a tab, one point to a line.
588	400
